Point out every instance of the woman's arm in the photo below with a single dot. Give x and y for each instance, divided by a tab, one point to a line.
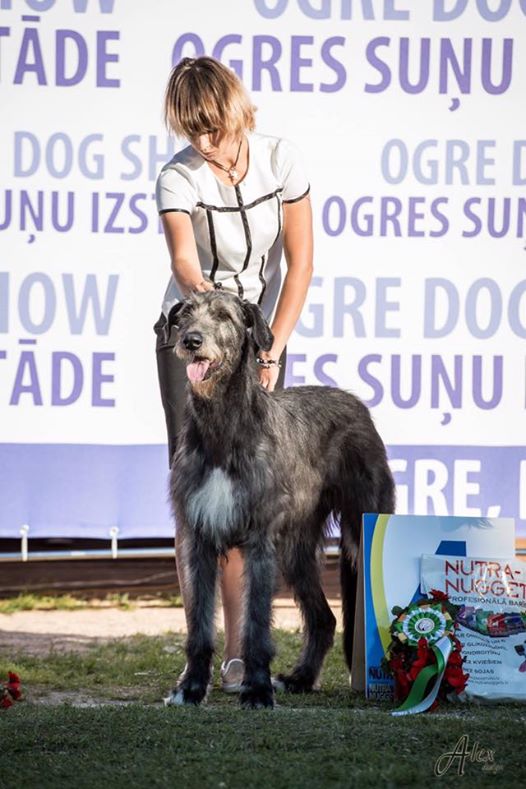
297	244
180	239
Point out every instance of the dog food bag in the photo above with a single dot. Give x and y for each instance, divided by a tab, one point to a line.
491	619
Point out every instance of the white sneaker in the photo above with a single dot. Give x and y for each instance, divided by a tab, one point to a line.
182	676
232	673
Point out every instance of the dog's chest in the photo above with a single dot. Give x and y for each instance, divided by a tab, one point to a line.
213	505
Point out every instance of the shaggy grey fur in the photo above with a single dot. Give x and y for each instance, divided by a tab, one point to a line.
263	471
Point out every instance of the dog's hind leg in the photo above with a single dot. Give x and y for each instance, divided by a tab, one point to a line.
258	650
303	575
200	604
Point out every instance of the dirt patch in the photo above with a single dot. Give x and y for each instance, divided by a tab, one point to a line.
41	644
76	698
41	632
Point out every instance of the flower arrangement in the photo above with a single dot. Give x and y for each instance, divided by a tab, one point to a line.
10	691
425	656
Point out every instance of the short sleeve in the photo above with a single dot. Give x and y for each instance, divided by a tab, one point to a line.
291	172
174	192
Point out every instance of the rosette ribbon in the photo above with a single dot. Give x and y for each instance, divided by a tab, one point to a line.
436	626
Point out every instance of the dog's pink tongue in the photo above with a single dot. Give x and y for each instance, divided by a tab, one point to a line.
196	371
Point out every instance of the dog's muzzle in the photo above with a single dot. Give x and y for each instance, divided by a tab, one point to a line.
198	368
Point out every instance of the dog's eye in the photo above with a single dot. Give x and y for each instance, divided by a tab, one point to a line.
186	310
223	315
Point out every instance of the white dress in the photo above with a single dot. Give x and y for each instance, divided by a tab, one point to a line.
237	228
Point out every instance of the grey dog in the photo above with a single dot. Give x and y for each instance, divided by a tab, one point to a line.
263	471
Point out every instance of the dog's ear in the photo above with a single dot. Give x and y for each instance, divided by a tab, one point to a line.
172	320
255	320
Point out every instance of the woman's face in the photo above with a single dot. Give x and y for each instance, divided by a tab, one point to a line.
212	144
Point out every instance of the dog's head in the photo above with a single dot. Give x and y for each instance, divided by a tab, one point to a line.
211	329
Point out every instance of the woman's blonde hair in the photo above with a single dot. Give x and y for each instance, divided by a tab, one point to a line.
202	96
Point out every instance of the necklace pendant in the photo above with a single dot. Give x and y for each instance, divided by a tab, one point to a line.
232	174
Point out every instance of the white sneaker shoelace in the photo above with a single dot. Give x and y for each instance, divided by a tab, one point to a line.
232	673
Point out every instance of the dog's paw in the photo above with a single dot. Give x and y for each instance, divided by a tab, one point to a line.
297	682
256	697
175	699
186	694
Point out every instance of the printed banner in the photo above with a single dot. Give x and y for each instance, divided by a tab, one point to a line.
411	119
392	549
491	621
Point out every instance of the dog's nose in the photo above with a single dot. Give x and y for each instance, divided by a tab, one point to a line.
193	340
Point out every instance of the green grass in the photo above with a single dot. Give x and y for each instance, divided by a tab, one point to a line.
331	738
34	602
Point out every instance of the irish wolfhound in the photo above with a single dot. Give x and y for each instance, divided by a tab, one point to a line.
263	471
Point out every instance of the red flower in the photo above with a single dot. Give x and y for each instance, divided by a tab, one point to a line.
6	700
424	656
10	691
396	663
402	685
456	678
13	686
455	659
416	668
436	594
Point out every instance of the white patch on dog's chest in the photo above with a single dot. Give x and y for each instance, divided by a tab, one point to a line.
213	504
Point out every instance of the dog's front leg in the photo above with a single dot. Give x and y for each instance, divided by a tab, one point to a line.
201	559
258	650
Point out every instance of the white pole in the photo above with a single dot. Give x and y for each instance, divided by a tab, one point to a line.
23	546
114	544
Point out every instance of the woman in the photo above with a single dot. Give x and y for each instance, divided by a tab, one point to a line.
230	203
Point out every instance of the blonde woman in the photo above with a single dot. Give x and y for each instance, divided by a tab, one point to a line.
230	203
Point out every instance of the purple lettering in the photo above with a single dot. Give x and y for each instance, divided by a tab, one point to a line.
423	79
104	57
79	72
335	65
378	64
267	64
30	43
297	63
100	378
416	381
57	360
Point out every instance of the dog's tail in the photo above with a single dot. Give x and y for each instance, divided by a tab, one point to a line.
373	491
349	586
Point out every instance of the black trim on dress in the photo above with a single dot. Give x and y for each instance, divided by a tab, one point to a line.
262	279
213	245
172	210
246	206
279	219
248	239
297	199
263	258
